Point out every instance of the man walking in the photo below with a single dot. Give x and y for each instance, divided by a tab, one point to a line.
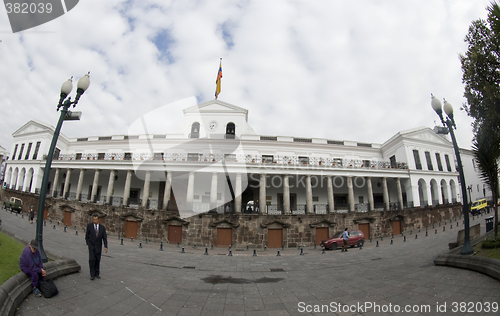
345	237
95	236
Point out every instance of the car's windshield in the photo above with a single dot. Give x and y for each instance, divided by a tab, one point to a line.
475	203
337	234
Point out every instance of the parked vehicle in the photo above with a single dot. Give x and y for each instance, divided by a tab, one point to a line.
478	206
14	204
356	238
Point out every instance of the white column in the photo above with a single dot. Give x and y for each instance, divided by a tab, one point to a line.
66	183
80	184
331	200
309	198
94	185
213	191
56	182
145	190
350	194
237	194
370	193
111	184
190	192
168	188
286	194
26	184
37	180
262	194
400	193
386	193
126	191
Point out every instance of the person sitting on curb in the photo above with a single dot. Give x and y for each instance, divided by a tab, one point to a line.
31	264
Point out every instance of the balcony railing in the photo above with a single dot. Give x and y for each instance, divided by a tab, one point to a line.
319	162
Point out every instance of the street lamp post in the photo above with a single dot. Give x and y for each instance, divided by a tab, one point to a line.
450	123
66	114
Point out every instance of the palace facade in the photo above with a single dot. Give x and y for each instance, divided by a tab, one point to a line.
215	162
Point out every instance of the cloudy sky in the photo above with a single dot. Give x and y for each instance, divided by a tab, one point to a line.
344	70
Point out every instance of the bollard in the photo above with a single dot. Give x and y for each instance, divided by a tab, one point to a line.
194	246
230	253
54	226
121	244
411	232
426	234
265	248
206	251
212	247
161	246
392	241
247	248
370	239
140	244
457	224
254	253
132	239
64	228
76	233
57	223
229	248
392	236
178	245
314	246
361	246
182	251
416	236
435	231
381	238
451	226
444	228
377	246
44	223
301	251
432	226
146	240
278	255
22	215
419	230
323	252
404	239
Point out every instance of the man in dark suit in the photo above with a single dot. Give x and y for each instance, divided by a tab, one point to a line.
95	236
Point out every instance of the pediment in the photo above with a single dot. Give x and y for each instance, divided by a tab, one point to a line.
426	135
215	106
33	127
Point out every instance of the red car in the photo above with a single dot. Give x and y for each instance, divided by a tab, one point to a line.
356	238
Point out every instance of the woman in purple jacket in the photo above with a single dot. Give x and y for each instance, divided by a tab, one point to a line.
31	264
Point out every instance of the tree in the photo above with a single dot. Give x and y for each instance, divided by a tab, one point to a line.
481	72
486	152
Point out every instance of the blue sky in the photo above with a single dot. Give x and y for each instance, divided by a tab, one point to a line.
342	70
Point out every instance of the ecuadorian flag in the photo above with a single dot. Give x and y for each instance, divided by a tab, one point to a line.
218	80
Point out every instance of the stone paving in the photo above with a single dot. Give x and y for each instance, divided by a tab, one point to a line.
146	281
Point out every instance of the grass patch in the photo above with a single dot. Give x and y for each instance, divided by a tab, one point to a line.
10	252
488	248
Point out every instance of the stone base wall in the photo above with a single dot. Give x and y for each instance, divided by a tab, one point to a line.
241	230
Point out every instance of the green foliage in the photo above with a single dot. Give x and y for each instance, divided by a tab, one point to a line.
10	252
481	72
491	242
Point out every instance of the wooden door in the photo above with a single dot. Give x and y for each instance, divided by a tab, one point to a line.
131	229
275	238
224	237
67	218
365	228
321	234
45	213
396	227
174	234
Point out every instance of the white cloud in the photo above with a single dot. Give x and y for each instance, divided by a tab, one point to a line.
355	70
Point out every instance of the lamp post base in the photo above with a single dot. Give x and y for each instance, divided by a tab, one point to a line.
467	248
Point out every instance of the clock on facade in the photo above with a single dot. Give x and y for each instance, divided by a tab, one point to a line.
213	125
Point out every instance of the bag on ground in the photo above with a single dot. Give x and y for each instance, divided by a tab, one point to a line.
48	288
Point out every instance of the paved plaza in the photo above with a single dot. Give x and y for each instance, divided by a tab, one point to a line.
369	281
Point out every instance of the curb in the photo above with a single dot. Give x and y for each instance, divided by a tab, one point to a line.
488	266
15	289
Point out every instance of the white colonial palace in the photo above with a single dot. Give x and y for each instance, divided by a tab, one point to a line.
215	161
